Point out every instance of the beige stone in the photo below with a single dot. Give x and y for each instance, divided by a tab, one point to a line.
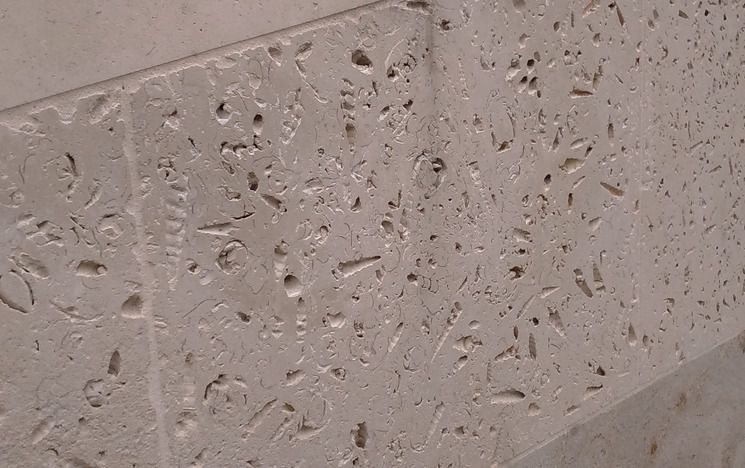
48	47
409	235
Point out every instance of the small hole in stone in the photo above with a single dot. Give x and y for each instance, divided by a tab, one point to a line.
360	60
438	165
222	113
350	130
258	124
275	52
253	181
359	435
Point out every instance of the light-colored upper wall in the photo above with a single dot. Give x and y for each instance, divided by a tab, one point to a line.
48	47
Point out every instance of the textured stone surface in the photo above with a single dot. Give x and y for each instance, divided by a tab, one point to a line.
690	418
609	222
412	236
48	47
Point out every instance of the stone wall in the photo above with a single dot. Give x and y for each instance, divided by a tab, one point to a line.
408	234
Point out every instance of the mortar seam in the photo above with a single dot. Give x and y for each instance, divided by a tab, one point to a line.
134	207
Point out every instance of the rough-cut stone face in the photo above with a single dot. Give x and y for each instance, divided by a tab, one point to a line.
407	236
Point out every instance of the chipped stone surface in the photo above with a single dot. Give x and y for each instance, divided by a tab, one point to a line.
412	236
